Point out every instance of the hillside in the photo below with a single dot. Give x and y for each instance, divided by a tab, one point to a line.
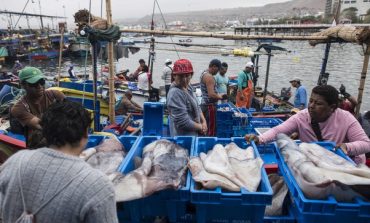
293	7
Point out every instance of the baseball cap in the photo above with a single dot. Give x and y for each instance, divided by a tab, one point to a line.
30	75
168	61
295	79
249	64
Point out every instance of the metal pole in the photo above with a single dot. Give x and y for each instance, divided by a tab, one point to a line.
95	74
324	63
111	66
362	80
267	77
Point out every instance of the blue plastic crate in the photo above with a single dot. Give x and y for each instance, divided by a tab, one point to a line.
227	133
223	206
267	152
153	119
94	140
287	206
268	109
265	122
225	115
170	203
328	210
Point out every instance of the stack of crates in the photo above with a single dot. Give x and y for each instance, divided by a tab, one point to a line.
224	120
219	205
241	123
232	121
327	210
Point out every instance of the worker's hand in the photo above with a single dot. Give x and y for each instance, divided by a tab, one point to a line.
204	128
250	137
343	147
294	135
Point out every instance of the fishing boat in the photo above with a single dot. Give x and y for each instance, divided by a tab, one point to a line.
79	46
47	47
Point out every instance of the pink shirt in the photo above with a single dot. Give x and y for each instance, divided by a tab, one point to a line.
340	127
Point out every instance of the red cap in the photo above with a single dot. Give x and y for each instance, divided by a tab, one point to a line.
183	66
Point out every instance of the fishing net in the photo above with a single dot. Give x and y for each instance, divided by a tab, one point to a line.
83	17
359	35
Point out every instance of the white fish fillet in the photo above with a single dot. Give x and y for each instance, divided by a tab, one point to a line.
319	177
234	151
331	161
209	180
217	162
248	172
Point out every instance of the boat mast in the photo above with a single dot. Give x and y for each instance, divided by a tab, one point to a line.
362	79
151	51
42	23
111	68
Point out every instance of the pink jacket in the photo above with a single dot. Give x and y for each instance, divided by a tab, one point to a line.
341	127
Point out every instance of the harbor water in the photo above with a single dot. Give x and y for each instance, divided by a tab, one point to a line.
300	60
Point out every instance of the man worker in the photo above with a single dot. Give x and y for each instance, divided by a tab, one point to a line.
300	97
222	81
346	101
210	95
126	105
167	75
52	184
17	67
134	76
29	109
71	72
244	93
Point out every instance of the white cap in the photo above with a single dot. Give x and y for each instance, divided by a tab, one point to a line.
168	61
249	64
17	61
297	79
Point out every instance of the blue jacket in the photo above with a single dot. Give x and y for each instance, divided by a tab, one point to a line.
300	97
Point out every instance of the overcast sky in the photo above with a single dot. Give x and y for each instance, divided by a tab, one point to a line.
120	8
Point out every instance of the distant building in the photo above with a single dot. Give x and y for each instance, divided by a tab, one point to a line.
361	5
232	23
331	7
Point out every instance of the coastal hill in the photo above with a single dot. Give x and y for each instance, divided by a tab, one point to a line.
269	11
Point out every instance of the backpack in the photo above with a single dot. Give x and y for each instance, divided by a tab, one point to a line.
29	217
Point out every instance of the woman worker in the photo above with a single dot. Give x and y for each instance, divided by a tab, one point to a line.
323	121
186	117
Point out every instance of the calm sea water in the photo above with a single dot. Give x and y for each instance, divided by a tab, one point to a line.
301	60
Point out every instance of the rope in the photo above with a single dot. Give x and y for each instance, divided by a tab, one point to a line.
165	26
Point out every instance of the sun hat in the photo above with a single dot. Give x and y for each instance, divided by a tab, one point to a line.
168	61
